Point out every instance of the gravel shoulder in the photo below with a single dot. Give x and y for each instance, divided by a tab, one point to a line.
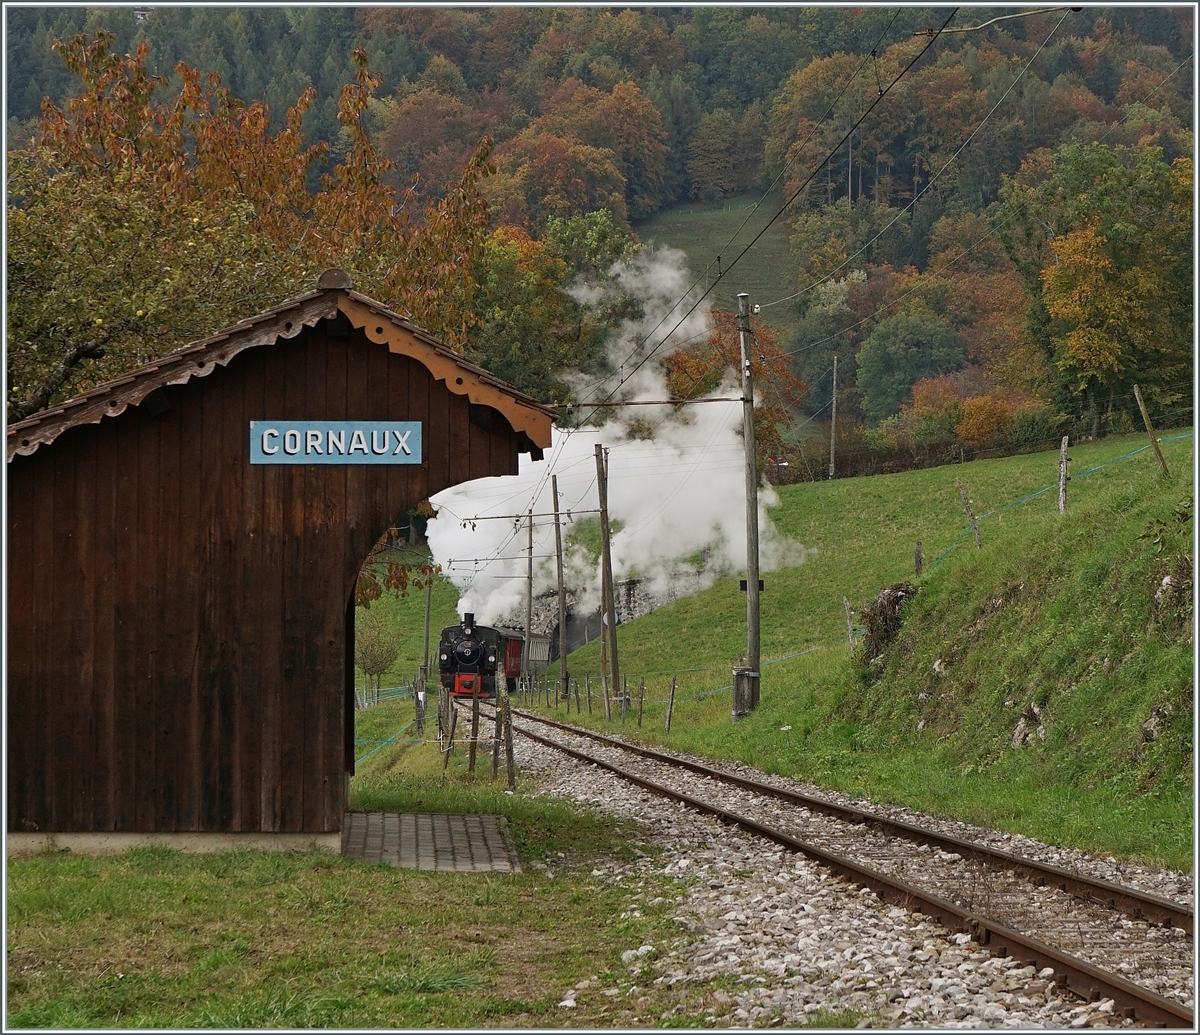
768	938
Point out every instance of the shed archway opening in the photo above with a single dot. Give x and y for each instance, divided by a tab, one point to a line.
386	641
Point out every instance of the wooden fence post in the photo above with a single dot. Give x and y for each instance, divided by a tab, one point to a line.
624	697
508	744
450	739
497	734
576	693
587	683
670	703
970	513
474	726
849	625
1063	460
607	698
443	715
419	701
1150	431
917	560
641	699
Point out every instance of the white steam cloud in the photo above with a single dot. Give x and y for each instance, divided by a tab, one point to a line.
679	496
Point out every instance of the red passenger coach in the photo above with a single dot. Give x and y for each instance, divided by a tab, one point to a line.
512	657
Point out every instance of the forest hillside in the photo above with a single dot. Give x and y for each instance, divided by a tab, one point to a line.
989	211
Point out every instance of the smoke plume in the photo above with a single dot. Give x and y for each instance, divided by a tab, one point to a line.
676	477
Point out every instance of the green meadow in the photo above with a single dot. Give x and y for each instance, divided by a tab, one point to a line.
705	231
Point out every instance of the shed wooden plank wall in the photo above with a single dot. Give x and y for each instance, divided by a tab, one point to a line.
177	616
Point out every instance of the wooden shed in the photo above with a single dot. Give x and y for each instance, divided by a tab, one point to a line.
183	545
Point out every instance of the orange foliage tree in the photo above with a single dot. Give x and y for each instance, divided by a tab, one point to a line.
139	223
695	372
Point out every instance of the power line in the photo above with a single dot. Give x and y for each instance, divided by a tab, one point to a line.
521	517
1002	18
928	186
721	273
650	402
836	149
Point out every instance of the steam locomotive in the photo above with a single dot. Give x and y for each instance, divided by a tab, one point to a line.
471	657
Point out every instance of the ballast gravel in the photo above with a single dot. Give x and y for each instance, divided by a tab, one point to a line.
792	942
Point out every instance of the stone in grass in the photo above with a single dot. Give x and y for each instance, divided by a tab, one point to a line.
630	955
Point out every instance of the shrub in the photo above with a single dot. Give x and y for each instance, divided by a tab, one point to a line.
984	422
1034	423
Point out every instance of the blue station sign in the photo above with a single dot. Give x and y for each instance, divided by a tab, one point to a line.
335	442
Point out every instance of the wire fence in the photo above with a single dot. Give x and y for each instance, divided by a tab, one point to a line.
1053	487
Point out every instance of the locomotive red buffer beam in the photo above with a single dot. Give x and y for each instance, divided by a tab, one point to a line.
465	684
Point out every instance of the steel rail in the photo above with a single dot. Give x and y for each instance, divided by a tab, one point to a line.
1137	904
1082	978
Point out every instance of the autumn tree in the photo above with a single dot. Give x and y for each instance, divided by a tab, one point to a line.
1102	237
622	121
376	648
139	223
541	175
530	329
699	370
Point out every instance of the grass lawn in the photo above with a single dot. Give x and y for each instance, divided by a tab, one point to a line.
156	938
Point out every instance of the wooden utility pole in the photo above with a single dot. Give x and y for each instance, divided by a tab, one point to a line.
1063	460
422	693
606	549
833	419
562	597
970	513
917	559
526	661
1137	392
752	599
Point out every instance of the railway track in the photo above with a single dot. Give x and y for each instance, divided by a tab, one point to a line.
1102	939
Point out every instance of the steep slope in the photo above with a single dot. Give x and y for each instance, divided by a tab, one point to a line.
1059	636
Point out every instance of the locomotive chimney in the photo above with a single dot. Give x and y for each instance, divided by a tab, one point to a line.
468	621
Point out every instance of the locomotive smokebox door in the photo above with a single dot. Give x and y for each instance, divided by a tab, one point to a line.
745	692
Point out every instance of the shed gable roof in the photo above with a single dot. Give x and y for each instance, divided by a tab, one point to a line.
200	358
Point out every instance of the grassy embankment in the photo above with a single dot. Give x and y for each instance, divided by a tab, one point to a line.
1054	611
704	231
